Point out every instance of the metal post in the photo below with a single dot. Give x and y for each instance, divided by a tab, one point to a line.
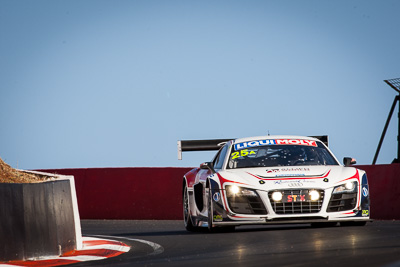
398	132
395	84
384	130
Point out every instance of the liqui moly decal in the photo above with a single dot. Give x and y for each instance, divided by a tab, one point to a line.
251	144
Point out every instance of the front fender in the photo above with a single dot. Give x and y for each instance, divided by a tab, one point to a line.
219	211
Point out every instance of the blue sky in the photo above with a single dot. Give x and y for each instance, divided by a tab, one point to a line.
116	83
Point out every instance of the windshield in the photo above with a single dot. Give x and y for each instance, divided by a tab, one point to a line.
279	152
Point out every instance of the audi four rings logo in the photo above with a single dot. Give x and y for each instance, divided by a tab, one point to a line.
295	184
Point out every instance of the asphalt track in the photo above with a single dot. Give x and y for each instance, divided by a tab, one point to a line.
167	243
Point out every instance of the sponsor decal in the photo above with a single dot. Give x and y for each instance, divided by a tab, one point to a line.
295	198
290	175
262	182
365	213
250	144
326	180
216	196
242	153
288	170
217	218
365	191
295	169
281	178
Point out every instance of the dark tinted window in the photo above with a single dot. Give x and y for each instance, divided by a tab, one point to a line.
219	160
280	155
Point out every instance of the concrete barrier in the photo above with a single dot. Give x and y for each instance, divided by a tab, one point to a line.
156	193
37	220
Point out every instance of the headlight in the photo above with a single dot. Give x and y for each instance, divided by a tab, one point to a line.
234	189
314	195
349	187
277	196
239	191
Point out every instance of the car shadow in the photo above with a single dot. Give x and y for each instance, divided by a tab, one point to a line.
202	231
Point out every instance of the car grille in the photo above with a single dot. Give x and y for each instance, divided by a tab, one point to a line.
297	207
340	202
246	205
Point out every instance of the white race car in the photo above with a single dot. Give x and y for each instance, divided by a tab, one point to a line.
272	179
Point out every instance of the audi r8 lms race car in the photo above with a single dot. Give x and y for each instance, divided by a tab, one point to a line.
270	180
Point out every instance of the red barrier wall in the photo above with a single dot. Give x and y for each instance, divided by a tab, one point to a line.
128	193
384	187
156	193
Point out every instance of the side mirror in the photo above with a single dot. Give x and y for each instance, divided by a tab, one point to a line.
207	165
349	161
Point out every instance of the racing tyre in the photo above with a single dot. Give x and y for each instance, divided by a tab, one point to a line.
186	212
362	223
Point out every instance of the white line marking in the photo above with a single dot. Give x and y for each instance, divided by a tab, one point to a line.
107	246
81	258
120	247
158	249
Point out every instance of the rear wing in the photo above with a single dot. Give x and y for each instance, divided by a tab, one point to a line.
215	144
322	138
200	145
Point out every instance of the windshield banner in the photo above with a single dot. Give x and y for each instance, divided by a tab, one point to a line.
250	144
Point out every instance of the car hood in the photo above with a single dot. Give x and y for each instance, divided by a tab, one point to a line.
286	177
